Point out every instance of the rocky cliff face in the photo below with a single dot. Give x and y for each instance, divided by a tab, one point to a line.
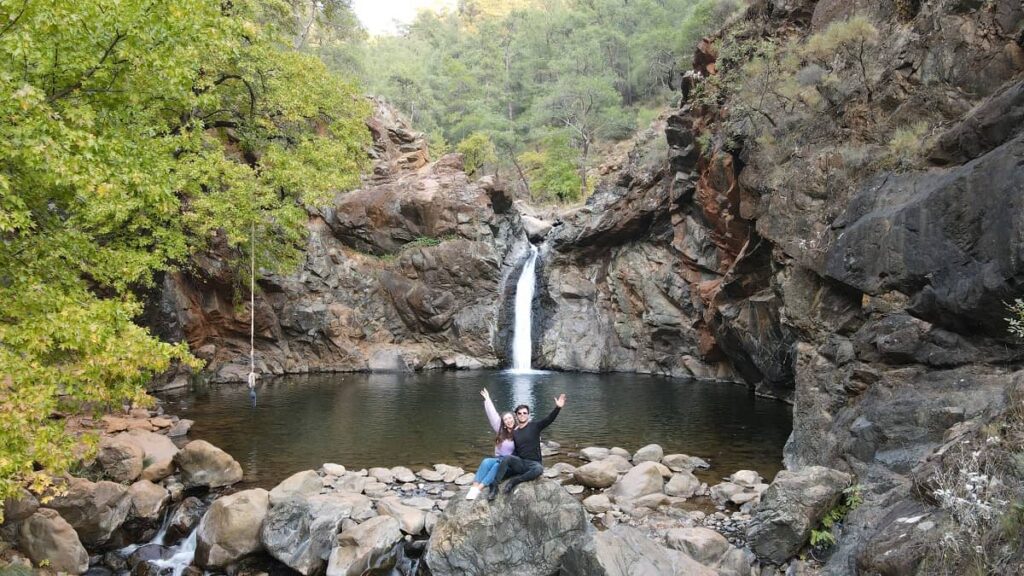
879	288
402	274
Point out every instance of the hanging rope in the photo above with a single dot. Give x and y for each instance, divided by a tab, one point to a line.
252	316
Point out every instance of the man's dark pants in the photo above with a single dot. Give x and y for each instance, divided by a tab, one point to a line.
521	471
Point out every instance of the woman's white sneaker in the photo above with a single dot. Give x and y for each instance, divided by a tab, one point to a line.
473	493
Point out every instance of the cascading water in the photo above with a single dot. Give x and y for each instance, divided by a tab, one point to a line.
183	555
522	343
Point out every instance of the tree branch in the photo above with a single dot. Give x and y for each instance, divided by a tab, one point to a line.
13	21
118	36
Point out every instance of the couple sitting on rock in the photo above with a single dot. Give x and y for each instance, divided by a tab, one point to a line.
516	448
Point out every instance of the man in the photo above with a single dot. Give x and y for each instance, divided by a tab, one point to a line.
526	463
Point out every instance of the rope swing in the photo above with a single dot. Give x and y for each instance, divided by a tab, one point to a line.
252	317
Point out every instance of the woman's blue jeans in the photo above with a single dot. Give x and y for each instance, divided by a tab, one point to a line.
487	470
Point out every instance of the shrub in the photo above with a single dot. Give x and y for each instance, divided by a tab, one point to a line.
907	145
849	40
1016	318
551	169
477	151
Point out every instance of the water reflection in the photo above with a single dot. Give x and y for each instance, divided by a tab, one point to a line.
364	420
522	390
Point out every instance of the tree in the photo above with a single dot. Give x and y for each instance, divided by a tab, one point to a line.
477	151
133	136
586	108
551	169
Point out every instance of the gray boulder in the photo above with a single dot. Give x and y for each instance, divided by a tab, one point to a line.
301	484
594	453
19	508
625	551
597	474
642	480
411	519
158	453
359	548
301	532
521	534
45	536
702	544
203	464
120	459
622	465
230	530
683	462
185	518
682	484
94	509
791	507
649	453
148	500
597	503
535	228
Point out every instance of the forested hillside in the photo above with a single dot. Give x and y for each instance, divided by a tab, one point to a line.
533	88
134	136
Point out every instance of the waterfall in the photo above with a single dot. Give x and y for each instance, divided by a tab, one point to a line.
183	556
522	342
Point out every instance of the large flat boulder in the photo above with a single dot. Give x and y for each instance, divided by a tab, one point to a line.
120	459
644	479
702	544
682	484
148	500
45	536
158	453
411	519
597	474
203	464
301	484
94	509
791	507
230	530
359	548
301	532
525	533
625	551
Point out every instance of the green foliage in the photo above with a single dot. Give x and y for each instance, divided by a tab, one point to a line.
1016	320
437	145
551	171
134	136
517	71
851	499
477	151
423	242
849	40
908	144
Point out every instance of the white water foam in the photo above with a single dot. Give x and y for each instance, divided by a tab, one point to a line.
183	556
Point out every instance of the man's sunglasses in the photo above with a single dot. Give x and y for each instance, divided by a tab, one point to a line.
523	413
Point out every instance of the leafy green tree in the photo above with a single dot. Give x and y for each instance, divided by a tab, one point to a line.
477	151
133	136
551	169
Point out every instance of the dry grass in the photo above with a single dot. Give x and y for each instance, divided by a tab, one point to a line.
981	486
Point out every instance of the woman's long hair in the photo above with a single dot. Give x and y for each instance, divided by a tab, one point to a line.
503	432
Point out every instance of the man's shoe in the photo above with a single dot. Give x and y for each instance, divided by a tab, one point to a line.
492	492
473	493
510	486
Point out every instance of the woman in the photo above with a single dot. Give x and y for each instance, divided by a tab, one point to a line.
503	446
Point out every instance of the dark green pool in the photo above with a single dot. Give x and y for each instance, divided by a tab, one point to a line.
414	420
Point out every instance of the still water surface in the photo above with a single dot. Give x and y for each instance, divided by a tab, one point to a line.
415	420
